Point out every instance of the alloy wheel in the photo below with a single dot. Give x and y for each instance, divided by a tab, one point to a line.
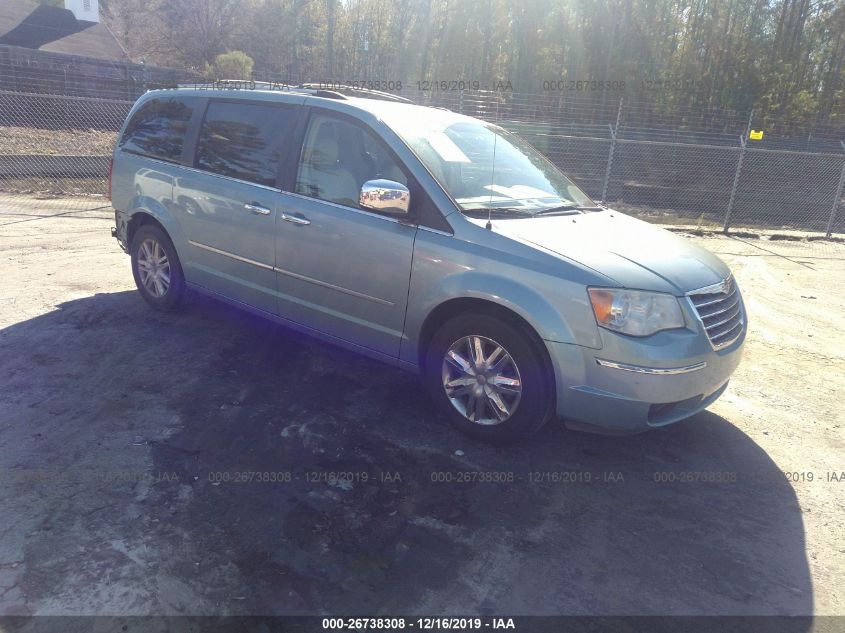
154	267
481	380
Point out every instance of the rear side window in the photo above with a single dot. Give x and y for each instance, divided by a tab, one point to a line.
243	141
158	128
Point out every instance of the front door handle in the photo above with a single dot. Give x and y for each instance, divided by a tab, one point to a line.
256	208
295	219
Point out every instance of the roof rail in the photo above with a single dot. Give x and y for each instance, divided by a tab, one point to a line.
237	84
320	92
324	90
346	90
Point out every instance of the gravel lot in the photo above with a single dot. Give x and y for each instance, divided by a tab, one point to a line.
124	433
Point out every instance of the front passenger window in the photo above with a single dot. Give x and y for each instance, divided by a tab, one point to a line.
338	157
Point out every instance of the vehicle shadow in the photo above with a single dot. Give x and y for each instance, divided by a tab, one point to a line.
275	475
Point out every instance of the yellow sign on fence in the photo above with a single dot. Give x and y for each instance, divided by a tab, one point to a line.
755	135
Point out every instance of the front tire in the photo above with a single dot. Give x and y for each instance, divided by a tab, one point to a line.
156	268
489	377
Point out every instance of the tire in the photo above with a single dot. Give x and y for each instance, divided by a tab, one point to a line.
519	359
165	289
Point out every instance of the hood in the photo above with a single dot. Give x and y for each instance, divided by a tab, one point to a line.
633	253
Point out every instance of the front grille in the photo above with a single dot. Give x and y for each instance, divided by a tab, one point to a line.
720	310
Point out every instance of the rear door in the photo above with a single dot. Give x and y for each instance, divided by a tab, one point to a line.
227	201
341	269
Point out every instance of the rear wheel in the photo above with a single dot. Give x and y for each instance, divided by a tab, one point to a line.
156	268
489	377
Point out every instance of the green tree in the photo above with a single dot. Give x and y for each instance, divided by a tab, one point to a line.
232	65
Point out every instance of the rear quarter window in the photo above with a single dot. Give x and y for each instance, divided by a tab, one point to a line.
158	128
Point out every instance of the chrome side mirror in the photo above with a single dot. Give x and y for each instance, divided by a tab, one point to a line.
385	196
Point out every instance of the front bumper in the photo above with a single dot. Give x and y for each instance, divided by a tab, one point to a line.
633	385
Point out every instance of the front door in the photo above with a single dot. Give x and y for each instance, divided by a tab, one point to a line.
340	269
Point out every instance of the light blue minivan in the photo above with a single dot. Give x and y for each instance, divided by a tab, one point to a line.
430	240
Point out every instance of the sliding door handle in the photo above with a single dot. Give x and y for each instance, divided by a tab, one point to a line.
256	208
295	219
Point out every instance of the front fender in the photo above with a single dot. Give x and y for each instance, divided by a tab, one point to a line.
556	308
510	294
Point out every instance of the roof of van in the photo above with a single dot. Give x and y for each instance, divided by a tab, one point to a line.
375	105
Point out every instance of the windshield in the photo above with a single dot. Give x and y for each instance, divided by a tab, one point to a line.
485	167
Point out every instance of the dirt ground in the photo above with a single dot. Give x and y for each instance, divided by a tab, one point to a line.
32	140
183	463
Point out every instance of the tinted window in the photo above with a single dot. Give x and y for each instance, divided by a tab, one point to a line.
243	141
338	157
158	128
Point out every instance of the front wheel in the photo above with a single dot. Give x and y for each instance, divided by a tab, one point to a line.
156	268
489	377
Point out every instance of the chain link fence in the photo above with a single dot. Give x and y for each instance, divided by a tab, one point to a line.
690	168
57	144
695	168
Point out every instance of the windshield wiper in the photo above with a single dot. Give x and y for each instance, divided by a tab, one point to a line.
484	211
567	209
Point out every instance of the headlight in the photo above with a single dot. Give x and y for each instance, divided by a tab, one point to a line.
635	312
